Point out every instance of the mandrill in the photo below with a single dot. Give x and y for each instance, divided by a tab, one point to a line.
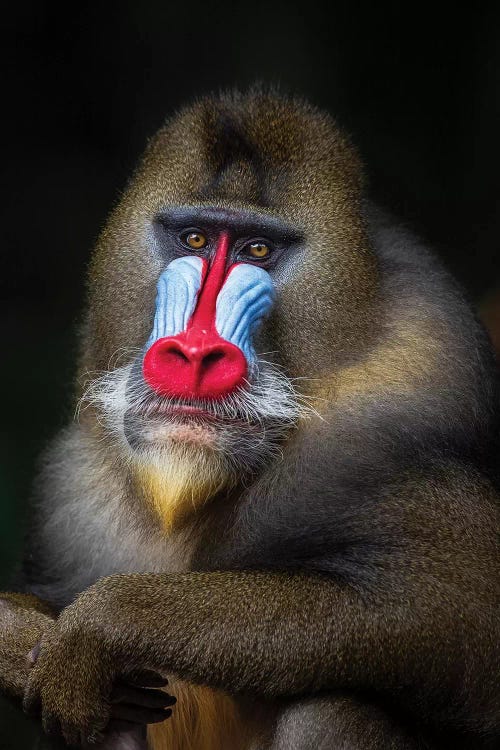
281	494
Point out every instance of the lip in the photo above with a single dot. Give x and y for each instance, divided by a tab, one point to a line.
184	410
188	413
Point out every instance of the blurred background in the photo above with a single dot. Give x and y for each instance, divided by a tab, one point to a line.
84	88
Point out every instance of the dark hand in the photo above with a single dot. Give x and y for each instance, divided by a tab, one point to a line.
136	699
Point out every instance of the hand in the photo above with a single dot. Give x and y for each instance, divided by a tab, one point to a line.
81	690
23	621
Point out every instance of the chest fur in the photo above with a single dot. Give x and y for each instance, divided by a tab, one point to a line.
202	719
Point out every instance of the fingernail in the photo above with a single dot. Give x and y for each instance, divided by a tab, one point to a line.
33	654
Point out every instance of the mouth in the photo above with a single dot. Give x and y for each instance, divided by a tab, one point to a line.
169	423
244	427
191	413
188	411
266	406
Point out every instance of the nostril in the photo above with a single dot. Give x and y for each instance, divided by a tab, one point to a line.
178	354
211	359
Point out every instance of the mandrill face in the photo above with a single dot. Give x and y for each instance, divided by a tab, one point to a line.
235	274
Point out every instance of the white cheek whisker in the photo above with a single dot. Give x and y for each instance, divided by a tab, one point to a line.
250	422
121	353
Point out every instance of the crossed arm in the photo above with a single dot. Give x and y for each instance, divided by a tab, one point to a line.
268	634
426	630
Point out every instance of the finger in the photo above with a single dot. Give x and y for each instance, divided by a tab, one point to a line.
93	736
33	654
76	736
140	715
50	724
123	693
71	736
145	678
31	702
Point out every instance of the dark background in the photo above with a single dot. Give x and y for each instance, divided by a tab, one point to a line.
418	88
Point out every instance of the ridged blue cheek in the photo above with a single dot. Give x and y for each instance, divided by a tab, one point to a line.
176	296
245	299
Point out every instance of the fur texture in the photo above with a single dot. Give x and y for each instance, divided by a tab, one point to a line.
323	543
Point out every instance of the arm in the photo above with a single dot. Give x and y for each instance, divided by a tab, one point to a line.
274	635
24	620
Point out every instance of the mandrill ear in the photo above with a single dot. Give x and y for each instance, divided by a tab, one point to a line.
243	302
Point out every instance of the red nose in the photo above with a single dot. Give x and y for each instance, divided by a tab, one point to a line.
194	365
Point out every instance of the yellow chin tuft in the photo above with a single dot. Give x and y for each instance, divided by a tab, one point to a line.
178	481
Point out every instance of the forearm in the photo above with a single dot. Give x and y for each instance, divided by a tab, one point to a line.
272	635
267	633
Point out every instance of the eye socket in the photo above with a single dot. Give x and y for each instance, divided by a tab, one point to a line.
258	250
194	239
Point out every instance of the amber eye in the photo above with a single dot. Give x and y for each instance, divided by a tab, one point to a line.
195	240
259	250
